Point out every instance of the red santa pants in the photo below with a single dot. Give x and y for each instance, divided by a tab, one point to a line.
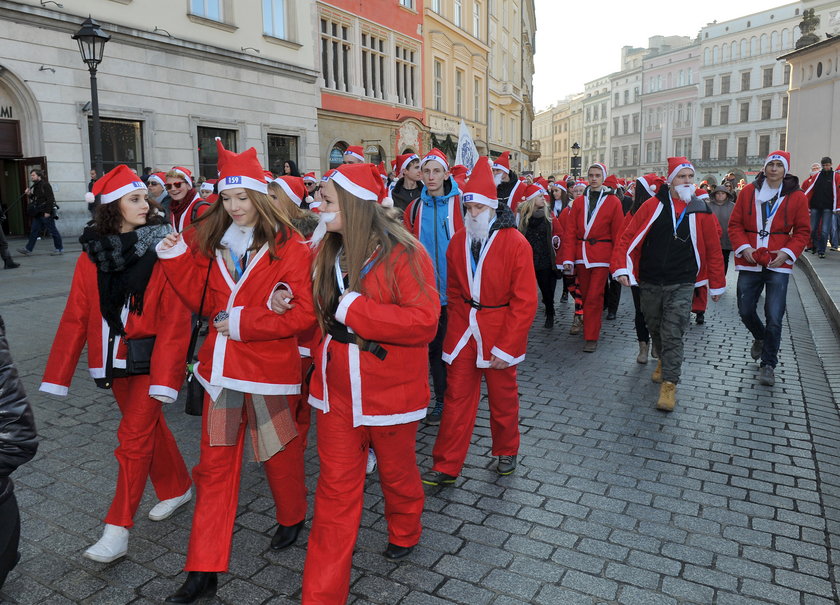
299	404
463	389
592	290
216	479
146	450
339	498
700	300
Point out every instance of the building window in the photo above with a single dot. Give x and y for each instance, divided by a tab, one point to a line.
710	87
766	106
783	141
615	157
373	66
436	6
626	123
624	156
745	80
724	115
616	98
209	9
274	18
208	159
626	97
764	145
457	15
335	55
407	4
687	114
476	19
742	149
336	157
635	155
635	124
438	85
476	99
406	64
615	127
787	75
706	153
122	143
768	77
721	148
280	149
687	147
745	112
459	92
784	107
724	84
649	153
678	148
707	116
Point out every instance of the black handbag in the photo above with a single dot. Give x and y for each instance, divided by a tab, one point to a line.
194	402
138	359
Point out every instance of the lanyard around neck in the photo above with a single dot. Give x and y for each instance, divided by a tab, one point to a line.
674	219
338	274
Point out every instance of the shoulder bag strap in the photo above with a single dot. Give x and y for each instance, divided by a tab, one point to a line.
197	324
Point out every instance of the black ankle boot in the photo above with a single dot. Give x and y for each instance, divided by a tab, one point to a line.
285	536
198	584
549	321
10	264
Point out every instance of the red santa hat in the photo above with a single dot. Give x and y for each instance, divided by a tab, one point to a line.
159	178
310	177
651	182
362	181
781	156
675	165
436	155
184	174
460	173
240	170
481	188
206	186
502	162
116	183
603	168
382	172
701	194
531	192
560	185
542	182
357	151
269	176
294	187
402	162
611	182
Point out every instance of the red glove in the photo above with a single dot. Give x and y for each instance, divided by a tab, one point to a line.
763	257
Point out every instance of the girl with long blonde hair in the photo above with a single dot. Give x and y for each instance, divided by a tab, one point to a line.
542	230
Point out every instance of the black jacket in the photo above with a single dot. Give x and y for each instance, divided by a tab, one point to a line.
504	190
403	197
41	199
18	439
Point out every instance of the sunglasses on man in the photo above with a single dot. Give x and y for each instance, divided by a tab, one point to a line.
176	185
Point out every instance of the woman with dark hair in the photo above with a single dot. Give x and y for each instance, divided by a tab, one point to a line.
243	249
121	306
290	168
377	304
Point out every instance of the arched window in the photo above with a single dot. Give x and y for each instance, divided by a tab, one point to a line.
707	57
724	55
733	50
753	46
336	156
786	41
715	55
774	41
765	43
745	49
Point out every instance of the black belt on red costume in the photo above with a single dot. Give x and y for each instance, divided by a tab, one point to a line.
764	233
477	305
592	241
342	334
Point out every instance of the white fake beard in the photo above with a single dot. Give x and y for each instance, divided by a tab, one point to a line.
237	239
765	193
685	192
497	178
321	228
478	227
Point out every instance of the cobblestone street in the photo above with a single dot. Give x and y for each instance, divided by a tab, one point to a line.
732	499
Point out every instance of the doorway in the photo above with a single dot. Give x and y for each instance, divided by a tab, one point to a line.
14	179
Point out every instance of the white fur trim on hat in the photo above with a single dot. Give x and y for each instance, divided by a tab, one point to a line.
676	171
601	166
408	161
285	186
780	158
500	167
185	176
157	179
432	157
477	198
360	192
112	196
246	182
354	154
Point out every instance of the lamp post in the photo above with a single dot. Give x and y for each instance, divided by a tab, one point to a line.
92	41
576	160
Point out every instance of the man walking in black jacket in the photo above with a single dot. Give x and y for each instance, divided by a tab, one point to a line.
42	210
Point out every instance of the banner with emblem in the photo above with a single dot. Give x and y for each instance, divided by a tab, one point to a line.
467	154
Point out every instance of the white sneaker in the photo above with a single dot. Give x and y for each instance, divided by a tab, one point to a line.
111	546
371	463
165	508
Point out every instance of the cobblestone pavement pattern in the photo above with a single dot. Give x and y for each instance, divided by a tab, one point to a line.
734	498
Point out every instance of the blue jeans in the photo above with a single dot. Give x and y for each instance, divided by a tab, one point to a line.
39	223
822	220
774	284
835	231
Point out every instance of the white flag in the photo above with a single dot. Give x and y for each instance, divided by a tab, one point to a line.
467	154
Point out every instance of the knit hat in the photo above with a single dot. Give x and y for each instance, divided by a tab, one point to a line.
481	188
309	177
436	155
185	174
357	151
402	162
502	162
603	168
362	181
294	187
116	183
675	165
240	170
783	157
651	182
159	178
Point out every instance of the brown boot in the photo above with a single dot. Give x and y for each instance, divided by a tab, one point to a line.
642	357
590	346
667	397
577	325
657	373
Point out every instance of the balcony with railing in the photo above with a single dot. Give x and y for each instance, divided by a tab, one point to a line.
533	149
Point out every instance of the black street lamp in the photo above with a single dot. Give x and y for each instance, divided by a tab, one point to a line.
576	160
92	41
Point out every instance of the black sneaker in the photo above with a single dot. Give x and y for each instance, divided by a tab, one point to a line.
437	478
507	464
755	350
24	251
436	414
701	318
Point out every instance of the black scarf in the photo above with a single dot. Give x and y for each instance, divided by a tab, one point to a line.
124	265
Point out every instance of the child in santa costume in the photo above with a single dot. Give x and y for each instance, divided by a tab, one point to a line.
542	230
120	298
670	246
769	229
562	206
243	249
492	293
378	307
591	231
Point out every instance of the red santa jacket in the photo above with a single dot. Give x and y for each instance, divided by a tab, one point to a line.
808	188
261	355
163	317
703	227
496	302
401	316
413	216
516	194
185	219
590	243
788	230
558	224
